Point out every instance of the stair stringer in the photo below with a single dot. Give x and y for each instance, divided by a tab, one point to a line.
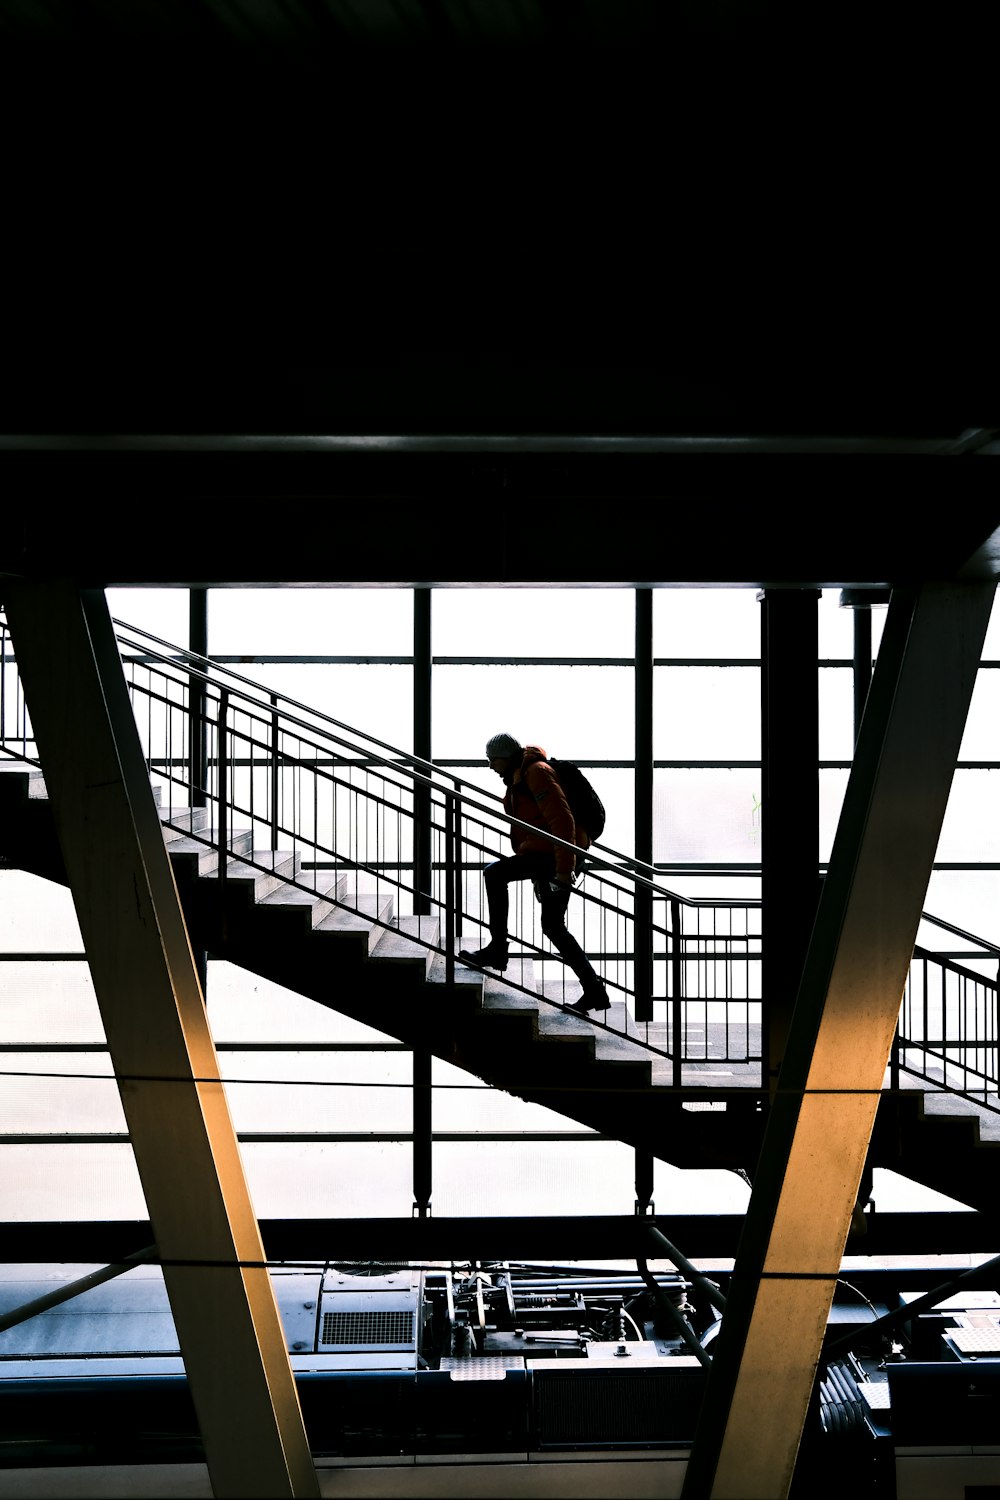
387	980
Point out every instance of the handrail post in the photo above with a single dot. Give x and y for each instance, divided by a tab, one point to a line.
422	852
642	934
274	770
450	858
197	740
422	1133
676	983
643	950
223	797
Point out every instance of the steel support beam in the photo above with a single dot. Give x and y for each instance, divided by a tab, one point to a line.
151	1004
838	1045
789	805
584	1238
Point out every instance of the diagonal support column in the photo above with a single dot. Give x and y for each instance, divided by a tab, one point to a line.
838	1045
161	1048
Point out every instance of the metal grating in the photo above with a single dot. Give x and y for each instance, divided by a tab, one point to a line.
485	1367
353	1329
634	1406
980	1338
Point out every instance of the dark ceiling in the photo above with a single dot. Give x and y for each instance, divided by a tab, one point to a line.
650	217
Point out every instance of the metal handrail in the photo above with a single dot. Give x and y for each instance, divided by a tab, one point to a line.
696	966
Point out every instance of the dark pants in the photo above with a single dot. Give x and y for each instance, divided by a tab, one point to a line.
540	869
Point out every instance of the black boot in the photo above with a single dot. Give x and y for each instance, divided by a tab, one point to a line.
594	997
493	956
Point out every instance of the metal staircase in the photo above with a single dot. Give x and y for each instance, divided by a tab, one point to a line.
339	867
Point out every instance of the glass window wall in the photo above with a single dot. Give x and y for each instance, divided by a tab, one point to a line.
297	1068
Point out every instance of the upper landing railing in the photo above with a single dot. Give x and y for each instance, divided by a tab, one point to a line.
369	819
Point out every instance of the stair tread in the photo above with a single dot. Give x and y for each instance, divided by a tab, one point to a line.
297	895
402	939
944	1112
208	842
520	970
25	768
361	916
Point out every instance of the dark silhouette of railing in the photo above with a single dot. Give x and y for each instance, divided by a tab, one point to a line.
368	820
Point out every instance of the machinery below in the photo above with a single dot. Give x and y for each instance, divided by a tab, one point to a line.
498	1363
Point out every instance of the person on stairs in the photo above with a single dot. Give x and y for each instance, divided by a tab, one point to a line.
534	796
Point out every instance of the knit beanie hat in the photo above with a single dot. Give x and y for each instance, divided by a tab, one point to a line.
502	744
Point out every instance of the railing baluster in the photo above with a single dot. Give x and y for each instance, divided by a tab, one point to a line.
952	1024
677	981
222	751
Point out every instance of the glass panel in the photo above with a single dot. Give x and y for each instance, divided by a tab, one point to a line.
48	1002
575	712
836	627
968	898
972	818
832	786
981	740
321	1091
310	622
376	701
74	1091
461	1102
712	885
507	1177
163	612
566	1177
533	622
706	713
36	916
346	1179
836	713
243	1007
706	622
70	1182
706	815
686	1191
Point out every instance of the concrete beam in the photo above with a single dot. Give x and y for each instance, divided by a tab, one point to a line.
838	1046
151	1004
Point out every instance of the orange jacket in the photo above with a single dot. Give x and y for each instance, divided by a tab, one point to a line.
536	797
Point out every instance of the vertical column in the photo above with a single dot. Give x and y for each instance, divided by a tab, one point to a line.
643	973
422	851
164	1059
789	725
197	742
643	844
821	1117
423	878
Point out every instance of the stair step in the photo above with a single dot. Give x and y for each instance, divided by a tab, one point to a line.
499	997
955	1107
470	978
268	870
32	774
307	906
397	945
612	1045
183	820
366	921
202	855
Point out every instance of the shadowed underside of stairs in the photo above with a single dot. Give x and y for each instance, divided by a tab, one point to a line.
347	949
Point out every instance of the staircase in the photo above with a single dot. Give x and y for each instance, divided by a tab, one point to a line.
345	948
339	930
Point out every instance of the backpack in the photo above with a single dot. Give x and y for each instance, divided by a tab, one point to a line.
585	804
